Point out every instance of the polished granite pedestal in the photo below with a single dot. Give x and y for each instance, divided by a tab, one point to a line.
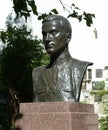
56	116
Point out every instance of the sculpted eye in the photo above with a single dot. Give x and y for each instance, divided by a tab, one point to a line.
53	32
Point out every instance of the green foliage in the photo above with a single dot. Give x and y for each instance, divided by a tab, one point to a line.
22	52
25	7
88	17
105	103
99	85
42	16
98	90
3	117
103	123
100	93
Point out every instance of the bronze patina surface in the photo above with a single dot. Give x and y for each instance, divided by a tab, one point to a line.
61	79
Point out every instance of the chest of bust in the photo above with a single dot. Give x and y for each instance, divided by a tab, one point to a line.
55	85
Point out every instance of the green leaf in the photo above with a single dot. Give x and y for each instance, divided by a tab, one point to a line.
54	11
79	18
89	18
42	16
74	14
33	6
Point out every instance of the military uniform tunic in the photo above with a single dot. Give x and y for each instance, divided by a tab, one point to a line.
61	82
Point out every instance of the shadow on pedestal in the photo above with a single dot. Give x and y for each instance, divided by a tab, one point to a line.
18	117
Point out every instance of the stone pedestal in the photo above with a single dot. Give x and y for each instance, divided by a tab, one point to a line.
56	116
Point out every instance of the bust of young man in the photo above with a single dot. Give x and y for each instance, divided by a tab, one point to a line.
61	79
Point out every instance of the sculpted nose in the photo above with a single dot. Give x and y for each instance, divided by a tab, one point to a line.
48	37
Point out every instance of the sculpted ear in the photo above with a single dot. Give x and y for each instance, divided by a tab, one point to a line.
68	37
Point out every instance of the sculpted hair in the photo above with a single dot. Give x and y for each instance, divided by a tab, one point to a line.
64	22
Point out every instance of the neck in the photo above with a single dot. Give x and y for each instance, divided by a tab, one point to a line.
54	57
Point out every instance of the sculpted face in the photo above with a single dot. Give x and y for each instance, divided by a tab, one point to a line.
54	36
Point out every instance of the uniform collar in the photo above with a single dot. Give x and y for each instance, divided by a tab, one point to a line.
62	60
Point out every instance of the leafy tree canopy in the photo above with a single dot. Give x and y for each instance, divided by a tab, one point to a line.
21	53
25	7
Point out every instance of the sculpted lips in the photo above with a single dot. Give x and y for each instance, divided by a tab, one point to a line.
50	45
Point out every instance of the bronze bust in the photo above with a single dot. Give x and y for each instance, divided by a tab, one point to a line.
61	79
